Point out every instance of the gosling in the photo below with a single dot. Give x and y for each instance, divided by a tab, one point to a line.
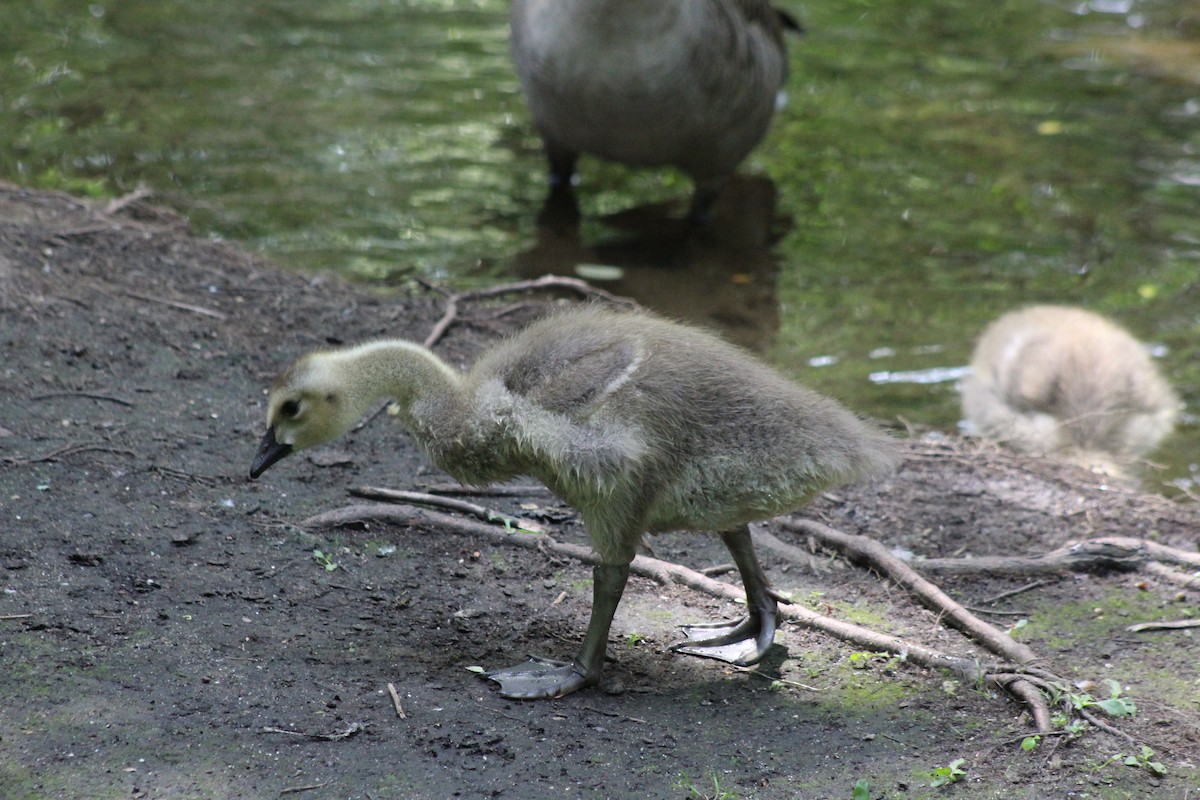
691	84
641	424
1064	381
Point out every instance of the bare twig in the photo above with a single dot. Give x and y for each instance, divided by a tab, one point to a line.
863	549
1104	726
1164	626
351	729
450	315
208	312
486	491
967	669
391	687
295	789
1184	580
595	710
67	450
995	613
15	616
87	395
437	501
1012	593
1111	552
118	203
442	325
777	678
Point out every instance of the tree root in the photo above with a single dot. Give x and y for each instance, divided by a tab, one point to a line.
451	503
860	548
1016	674
1017	682
1111	552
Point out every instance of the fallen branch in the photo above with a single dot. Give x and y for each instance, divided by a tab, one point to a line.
67	450
614	714
118	203
1104	726
208	312
450	315
1171	575
297	789
486	491
1112	552
87	395
968	670
1164	626
395	695
437	501
351	729
861	548
1012	593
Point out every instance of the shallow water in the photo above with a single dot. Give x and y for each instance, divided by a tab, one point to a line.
936	165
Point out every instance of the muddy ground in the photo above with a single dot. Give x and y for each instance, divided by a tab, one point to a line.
164	623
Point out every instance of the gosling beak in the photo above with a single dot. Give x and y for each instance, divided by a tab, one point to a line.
269	451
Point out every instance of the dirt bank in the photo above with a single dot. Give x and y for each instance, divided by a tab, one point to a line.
164	623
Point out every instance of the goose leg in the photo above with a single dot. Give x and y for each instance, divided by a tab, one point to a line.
704	197
562	165
745	641
560	211
539	678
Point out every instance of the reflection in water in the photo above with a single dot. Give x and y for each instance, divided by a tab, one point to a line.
722	274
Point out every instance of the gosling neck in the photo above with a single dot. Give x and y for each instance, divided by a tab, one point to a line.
400	370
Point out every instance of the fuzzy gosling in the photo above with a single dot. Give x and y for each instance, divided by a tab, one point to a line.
641	424
1057	379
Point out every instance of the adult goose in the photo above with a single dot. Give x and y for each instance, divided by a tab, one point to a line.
691	84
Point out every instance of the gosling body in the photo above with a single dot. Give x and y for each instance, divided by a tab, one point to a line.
641	424
691	84
1062	380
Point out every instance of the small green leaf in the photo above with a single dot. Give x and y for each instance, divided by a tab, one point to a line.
1118	707
476	669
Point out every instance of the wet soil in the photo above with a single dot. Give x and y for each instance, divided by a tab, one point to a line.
166	630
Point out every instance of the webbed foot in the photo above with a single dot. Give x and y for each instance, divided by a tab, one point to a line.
743	642
541	678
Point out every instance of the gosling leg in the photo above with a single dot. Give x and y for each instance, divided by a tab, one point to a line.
745	641
540	678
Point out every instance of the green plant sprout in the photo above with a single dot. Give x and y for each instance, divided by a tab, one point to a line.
1142	759
718	793
865	658
953	773
325	561
1115	706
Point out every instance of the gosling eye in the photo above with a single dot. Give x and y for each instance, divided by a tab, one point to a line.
289	409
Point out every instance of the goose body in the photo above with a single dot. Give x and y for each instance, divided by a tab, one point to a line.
1057	379
691	84
641	424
